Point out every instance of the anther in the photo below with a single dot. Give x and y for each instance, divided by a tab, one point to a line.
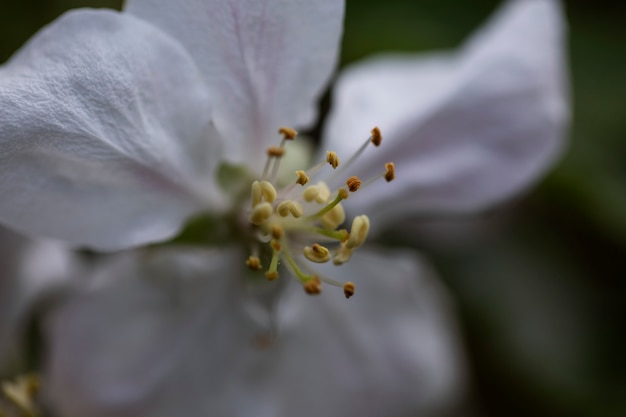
317	253
342	255
271	275
290	207
277	231
348	289
313	286
320	193
377	137
342	193
332	159
275	151
353	183
288	133
260	213
359	231
334	218
390	171
254	263
302	178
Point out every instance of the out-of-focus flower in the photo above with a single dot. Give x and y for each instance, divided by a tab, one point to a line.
114	129
31	271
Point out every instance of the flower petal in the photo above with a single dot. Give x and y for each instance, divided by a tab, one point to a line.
105	129
466	131
30	271
265	61
171	335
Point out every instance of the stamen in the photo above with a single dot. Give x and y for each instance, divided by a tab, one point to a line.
290	207
263	190
376	137
317	253
342	255
332	159
302	178
334	218
277	231
254	263
353	183
390	171
342	194
348	289
359	231
272	271
320	193
260	213
275	151
313	286
288	133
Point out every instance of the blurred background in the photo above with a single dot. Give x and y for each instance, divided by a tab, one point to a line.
540	284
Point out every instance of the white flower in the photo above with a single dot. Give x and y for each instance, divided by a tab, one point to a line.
31	271
113	128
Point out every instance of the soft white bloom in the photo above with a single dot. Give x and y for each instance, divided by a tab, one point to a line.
113	128
31	271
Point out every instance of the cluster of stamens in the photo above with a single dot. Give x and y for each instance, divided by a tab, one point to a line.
299	220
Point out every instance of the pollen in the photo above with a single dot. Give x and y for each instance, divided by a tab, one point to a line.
275	151
288	133
377	137
353	183
390	171
254	263
299	228
313	286
302	178
348	289
317	253
332	159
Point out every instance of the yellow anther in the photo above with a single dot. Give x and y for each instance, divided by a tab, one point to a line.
353	183
302	178
260	213
334	218
342	255
390	171
275	245
332	159
377	137
359	231
320	193
263	190
288	133
348	289
317	253
288	207
271	275
313	286
277	231
275	151
254	263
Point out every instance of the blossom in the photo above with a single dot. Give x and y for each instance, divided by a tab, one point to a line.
121	126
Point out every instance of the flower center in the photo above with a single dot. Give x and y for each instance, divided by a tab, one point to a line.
300	225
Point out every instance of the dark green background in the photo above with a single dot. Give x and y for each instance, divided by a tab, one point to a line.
541	293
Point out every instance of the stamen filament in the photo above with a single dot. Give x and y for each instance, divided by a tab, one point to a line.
342	194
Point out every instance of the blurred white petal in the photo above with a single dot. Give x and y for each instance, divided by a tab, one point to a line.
266	61
105	133
30	271
466	130
171	334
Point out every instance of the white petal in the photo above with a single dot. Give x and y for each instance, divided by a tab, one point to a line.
159	338
265	61
105	128
30	271
466	131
